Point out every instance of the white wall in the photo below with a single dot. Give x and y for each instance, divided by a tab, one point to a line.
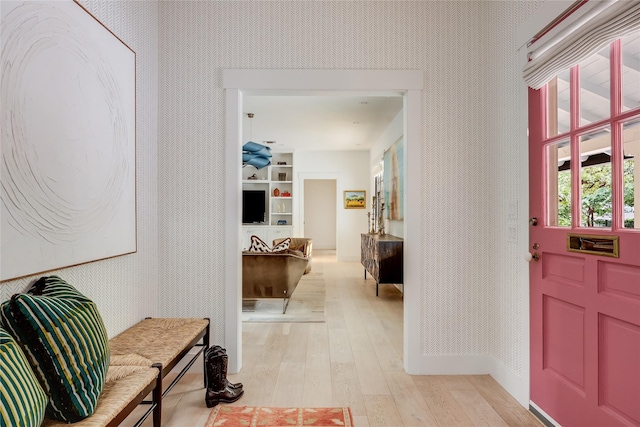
351	169
126	288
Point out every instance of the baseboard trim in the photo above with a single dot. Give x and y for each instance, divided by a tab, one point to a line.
451	365
518	387
542	416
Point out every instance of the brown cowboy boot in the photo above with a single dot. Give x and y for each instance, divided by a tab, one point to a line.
217	391
224	364
216	349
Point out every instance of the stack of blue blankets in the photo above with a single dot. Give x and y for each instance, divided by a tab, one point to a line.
256	155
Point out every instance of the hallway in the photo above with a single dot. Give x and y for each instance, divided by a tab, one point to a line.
355	360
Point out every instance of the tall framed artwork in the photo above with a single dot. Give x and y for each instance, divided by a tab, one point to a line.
394	181
68	123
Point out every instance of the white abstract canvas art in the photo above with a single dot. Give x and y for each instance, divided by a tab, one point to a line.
68	139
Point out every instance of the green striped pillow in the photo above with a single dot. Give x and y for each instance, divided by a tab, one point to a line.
22	400
65	340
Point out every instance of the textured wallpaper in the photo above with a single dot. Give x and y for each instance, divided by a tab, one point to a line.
125	288
509	181
473	147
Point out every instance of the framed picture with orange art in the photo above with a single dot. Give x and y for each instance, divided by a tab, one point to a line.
355	199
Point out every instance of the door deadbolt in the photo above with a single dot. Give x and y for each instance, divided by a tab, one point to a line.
533	222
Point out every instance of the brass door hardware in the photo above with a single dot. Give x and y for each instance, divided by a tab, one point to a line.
594	244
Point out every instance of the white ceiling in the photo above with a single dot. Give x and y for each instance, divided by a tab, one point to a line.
354	120
595	83
320	121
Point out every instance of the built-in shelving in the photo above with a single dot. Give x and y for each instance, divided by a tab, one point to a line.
277	182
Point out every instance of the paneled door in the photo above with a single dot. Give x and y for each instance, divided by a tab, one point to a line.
584	136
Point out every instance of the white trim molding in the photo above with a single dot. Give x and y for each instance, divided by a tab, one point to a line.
280	82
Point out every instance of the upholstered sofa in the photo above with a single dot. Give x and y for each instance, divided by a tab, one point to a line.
302	244
272	274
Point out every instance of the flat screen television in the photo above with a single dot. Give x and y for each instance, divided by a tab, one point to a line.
253	206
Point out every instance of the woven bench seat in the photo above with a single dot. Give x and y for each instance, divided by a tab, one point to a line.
125	387
157	340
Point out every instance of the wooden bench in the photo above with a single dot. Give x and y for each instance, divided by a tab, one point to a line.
141	357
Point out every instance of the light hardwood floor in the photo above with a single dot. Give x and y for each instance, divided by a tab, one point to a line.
355	360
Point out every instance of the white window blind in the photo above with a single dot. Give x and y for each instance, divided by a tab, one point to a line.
578	37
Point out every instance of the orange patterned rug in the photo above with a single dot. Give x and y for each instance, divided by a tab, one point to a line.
241	416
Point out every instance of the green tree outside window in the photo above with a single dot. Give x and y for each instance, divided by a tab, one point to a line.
596	195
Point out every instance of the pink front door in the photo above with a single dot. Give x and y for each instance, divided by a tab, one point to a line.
584	136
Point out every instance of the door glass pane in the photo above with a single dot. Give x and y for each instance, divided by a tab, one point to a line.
595	92
631	72
558	105
559	184
595	173
631	173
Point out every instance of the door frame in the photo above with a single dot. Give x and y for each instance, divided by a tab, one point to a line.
538	20
237	83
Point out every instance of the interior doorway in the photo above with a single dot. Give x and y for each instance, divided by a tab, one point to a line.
238	83
320	212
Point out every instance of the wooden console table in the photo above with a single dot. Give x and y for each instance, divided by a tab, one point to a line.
381	256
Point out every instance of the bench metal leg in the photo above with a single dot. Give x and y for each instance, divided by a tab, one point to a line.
205	343
155	402
157	398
